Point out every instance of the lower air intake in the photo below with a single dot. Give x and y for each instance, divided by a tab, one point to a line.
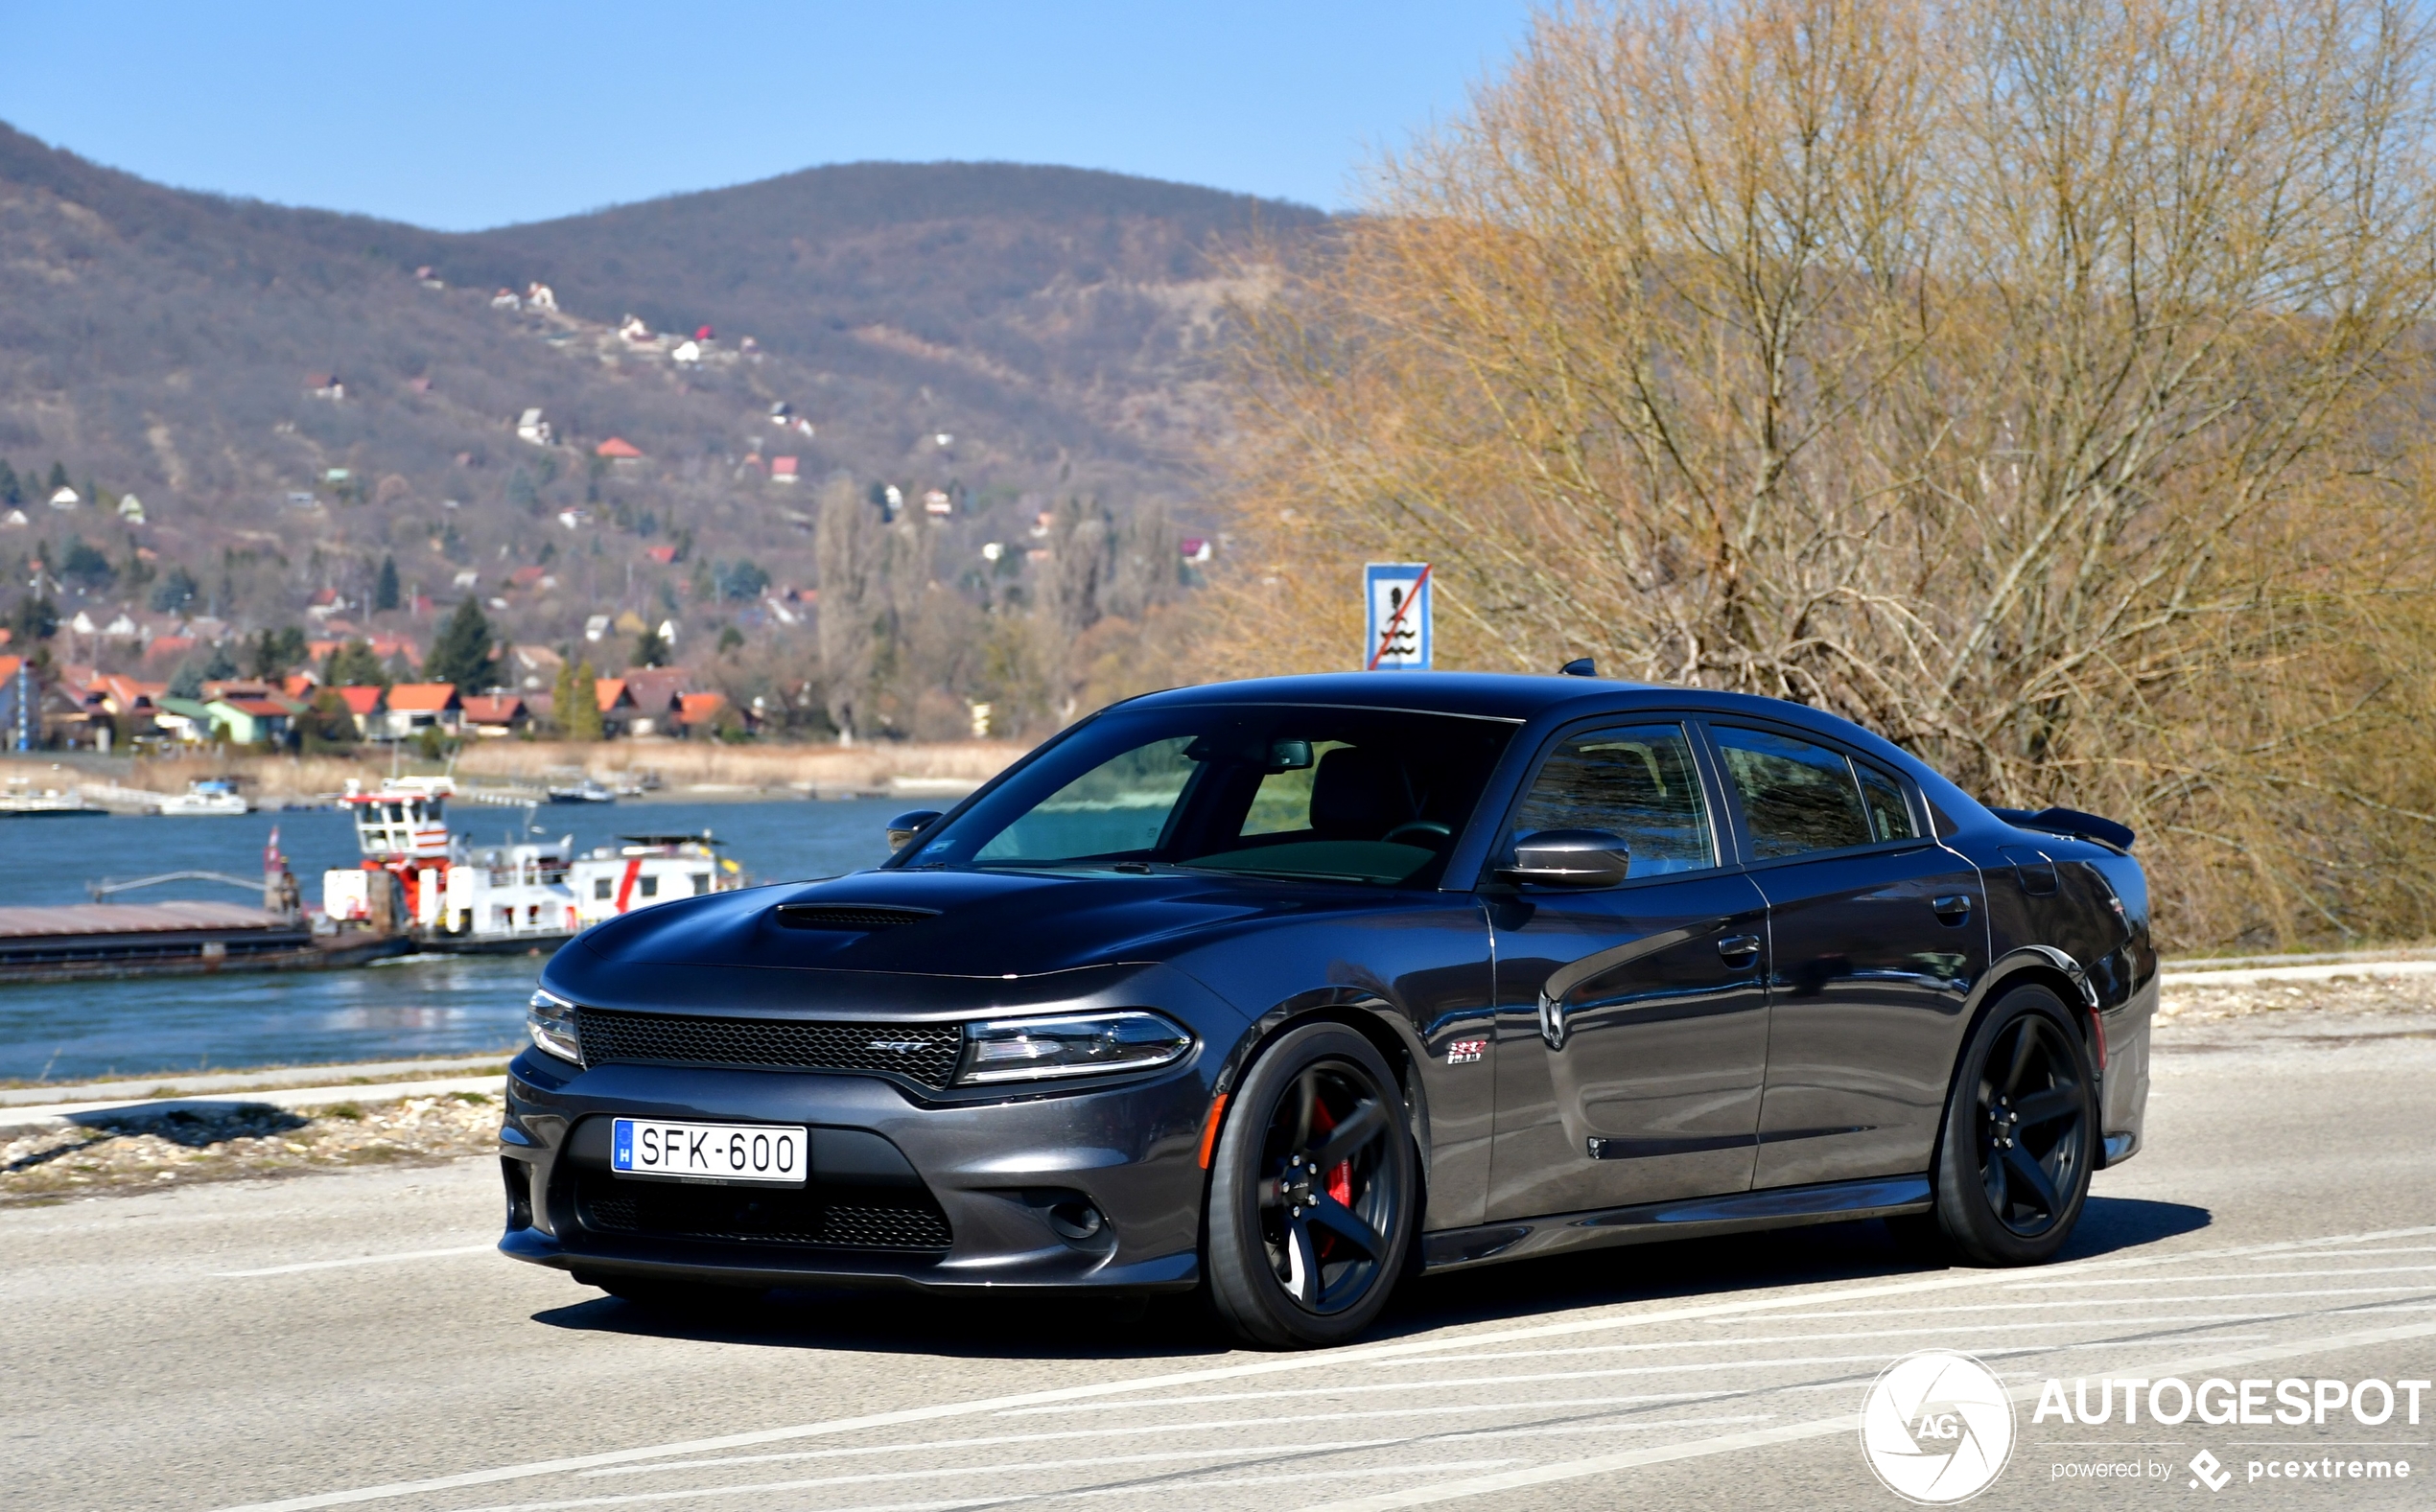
814	1218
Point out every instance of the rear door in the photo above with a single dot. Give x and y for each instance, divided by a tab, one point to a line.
1876	934
1631	1021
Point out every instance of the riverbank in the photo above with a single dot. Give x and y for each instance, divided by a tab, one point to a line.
688	770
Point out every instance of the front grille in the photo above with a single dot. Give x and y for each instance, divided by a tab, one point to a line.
849	916
924	1053
837	1218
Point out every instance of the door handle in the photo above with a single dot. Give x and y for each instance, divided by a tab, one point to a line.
1734	945
1552	1021
1953	909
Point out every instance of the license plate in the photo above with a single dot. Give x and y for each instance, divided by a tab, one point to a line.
771	1153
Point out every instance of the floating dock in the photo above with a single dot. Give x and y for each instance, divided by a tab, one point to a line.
96	941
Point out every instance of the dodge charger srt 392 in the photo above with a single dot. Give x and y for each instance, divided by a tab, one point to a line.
1288	988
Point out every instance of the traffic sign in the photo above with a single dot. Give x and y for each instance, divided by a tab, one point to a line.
1396	598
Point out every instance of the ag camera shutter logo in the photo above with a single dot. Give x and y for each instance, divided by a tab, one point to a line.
1938	1428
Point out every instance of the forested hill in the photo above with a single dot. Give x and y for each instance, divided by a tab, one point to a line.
1007	336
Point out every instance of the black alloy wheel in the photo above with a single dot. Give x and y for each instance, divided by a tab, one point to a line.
2017	1151
1310	1192
2033	1125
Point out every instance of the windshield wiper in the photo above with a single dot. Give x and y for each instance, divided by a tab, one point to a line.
1284	876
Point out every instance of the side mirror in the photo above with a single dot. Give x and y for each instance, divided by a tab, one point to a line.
904	826
1570	859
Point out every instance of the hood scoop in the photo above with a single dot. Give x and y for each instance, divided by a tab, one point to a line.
854	918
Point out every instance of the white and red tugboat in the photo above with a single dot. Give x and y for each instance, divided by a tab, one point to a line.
507	899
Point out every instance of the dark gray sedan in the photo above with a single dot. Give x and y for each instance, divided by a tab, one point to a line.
1286	990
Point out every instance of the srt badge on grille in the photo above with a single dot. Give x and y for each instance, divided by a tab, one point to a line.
1463	1052
903	1047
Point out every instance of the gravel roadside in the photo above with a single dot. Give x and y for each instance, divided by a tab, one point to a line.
141	1152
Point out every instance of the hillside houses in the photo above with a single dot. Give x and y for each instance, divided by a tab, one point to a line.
81	708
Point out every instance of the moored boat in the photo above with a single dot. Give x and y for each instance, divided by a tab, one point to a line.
512	899
648	868
208	796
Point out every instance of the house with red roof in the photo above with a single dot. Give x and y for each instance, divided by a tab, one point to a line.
620	452
617	705
368	708
698	713
492	715
251	721
417	707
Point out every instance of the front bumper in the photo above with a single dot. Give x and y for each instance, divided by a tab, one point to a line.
985	1194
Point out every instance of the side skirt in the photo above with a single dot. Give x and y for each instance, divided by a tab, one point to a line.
1735	1213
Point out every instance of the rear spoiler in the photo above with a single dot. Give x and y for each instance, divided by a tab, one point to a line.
2070	822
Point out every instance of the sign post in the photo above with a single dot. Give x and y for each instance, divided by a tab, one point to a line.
1395	600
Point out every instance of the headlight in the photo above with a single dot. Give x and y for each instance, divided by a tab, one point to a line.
551	1022
1022	1049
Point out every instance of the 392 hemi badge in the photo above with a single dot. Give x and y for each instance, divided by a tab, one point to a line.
1463	1052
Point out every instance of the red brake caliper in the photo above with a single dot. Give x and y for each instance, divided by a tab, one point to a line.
1341	1176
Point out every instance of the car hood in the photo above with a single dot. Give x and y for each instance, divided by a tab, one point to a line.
972	924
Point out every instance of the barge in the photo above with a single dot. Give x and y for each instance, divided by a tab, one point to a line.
107	942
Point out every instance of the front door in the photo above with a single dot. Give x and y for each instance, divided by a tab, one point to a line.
1876	934
1631	1021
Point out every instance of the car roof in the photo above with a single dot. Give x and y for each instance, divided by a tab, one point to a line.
1494	695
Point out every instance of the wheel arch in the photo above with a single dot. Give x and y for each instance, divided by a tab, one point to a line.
1375	1020
2024	966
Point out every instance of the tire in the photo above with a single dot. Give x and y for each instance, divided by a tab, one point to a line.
2019	1137
1300	1254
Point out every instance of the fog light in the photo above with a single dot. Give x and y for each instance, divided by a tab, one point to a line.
519	1180
1077	1221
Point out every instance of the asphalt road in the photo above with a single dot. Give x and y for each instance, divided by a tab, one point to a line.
352	1340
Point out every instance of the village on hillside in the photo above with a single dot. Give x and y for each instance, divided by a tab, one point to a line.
115	645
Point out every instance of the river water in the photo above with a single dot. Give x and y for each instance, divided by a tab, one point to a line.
454	1004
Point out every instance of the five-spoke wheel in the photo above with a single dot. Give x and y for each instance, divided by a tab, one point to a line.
2014	1161
1311	1192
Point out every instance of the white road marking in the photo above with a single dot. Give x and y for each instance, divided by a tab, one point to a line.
1773	1339
1332	1358
1000	1440
2244	1275
1463	1384
763	1487
1820	1427
359	1260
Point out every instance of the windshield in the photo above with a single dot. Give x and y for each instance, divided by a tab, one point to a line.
1349	794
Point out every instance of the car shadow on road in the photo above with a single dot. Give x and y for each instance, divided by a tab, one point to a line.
1013	1326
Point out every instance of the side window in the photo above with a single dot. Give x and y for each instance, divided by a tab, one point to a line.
1797	796
1637	782
1889	815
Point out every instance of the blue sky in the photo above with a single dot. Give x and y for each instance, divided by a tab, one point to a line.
460	115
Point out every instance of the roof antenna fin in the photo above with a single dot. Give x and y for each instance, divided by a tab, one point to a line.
1580	666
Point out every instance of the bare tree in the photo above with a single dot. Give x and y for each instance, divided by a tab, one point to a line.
2035	382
